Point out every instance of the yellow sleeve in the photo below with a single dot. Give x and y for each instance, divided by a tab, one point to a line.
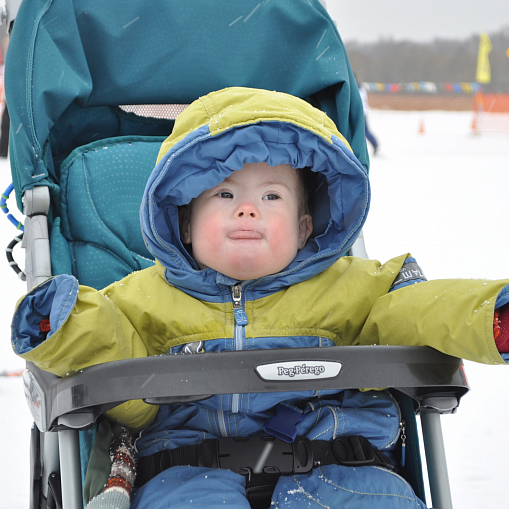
453	316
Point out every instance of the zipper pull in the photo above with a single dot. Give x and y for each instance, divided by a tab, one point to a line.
238	310
402	426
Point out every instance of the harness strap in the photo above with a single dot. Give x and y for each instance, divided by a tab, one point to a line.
263	459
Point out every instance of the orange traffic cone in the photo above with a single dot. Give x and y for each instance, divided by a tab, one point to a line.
474	126
421	127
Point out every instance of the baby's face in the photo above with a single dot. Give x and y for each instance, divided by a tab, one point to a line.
250	225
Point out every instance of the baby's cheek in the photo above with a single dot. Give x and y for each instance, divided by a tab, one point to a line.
206	241
284	231
286	240
206	230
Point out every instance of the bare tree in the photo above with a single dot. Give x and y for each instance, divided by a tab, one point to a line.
441	61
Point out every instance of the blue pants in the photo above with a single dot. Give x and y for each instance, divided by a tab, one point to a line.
374	415
331	486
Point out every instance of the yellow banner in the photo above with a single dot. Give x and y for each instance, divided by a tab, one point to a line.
483	74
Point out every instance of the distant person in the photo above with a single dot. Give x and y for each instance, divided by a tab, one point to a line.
369	135
6	121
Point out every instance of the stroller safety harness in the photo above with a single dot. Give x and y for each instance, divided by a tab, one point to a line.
262	459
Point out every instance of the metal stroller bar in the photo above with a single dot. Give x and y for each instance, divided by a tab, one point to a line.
36	203
69	450
434	448
432	408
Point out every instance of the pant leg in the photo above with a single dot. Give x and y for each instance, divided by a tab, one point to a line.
184	487
338	487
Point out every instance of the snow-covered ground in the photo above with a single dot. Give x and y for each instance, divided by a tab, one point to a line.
440	195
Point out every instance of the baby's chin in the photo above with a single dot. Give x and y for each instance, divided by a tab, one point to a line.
247	273
245	265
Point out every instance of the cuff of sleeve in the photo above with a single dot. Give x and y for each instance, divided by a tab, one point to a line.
53	299
501	323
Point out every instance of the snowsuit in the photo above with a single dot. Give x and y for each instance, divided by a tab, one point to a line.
321	299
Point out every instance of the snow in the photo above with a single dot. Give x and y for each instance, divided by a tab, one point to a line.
439	195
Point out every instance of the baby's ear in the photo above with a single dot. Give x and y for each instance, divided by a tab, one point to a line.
185	224
305	229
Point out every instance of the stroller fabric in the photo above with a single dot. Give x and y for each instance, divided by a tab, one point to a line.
101	186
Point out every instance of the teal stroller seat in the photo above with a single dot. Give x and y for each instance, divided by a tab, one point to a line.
93	89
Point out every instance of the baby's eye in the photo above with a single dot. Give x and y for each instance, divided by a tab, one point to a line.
225	194
271	197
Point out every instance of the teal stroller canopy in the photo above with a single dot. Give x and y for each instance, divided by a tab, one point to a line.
72	64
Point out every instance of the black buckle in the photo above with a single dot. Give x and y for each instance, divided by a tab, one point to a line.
265	455
165	460
353	451
208	453
203	454
302	455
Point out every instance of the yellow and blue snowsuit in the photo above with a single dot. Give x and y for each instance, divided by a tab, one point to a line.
321	299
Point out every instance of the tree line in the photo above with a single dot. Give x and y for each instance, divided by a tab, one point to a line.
441	60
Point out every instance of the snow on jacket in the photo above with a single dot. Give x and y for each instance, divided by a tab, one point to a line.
321	299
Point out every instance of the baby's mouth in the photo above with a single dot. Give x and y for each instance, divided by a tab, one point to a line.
245	234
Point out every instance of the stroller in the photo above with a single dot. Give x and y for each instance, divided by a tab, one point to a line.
91	99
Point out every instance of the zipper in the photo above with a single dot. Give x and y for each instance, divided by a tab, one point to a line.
239	332
238	308
402	427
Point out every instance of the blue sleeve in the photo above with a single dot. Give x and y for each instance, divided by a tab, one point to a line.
53	299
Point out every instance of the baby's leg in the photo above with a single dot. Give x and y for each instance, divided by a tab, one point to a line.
335	486
184	487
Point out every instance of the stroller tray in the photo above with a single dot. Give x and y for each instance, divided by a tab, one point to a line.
77	401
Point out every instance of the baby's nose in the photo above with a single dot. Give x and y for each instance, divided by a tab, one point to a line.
247	209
